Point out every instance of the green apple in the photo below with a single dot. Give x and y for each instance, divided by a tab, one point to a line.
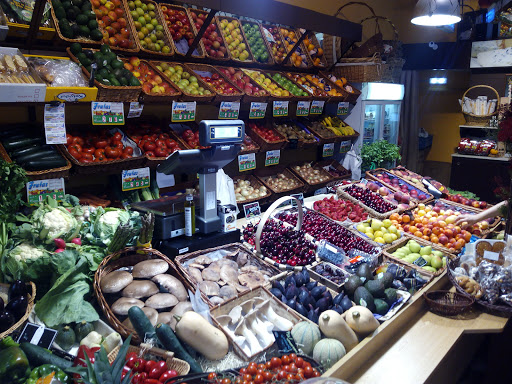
438	253
429	269
392	229
387	223
426	250
361	228
388	238
376	224
414	246
436	262
427	258
405	250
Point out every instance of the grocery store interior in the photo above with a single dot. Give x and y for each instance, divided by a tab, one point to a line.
255	192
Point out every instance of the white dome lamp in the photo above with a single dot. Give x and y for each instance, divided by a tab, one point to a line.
434	13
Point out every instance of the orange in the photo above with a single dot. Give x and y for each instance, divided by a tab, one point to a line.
425	237
320	52
406	219
418	234
394	216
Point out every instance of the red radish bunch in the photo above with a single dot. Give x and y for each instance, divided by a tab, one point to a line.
340	210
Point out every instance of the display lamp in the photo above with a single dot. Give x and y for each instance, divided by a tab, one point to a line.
435	13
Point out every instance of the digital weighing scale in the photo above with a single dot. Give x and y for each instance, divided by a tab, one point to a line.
224	138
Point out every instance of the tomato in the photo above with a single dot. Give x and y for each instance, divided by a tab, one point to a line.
212	376
316	373
86	160
268	375
292	368
243	371
101	143
268	364
286	359
99	153
293	356
69	139
73	152
299	362
117	144
125	156
163	136
282	375
89	150
117	136
159	152
150	153
308	372
149	146
259	378
247	377
160	143
276	362
87	156
76	147
78	140
128	150
188	133
225	381
290	377
111	153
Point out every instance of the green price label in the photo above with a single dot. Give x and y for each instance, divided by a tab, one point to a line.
135	179
107	113
229	110
328	150
37	190
342	108
272	157
246	162
257	110
345	146
182	111
302	108
280	109
317	107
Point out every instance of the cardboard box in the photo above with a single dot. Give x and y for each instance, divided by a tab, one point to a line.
21	93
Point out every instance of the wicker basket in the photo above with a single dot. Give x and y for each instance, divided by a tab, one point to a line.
109	92
180	366
185	96
200	46
311	186
301	48
278	41
246	151
249	98
54	173
269	74
397	171
264	173
255	183
128	257
344	195
270	61
236	96
360	70
337	166
313	40
30	306
166	38
351	97
297	127
270	97
263	143
311	88
446	303
227	56
480	120
250	58
321	138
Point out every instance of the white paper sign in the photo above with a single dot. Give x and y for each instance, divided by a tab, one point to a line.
164	181
54	124
135	110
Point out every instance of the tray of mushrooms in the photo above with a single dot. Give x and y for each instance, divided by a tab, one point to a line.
149	281
224	272
250	319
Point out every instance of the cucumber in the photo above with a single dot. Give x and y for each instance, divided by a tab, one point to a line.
140	322
36	155
42	165
30	149
39	356
168	338
13	144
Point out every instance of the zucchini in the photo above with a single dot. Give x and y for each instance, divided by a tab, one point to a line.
40	356
170	342
30	149
13	144
140	322
36	155
9	132
42	165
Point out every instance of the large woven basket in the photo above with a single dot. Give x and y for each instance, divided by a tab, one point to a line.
344	195
250	58
446	303
180	366
236	96
227	55
480	120
128	257
360	70
4	288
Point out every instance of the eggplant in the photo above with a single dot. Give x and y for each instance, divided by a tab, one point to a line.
411	274
327	295
322	304
338	298
289	280
305	275
397	284
311	285
346	303
2	304
17	306
338	308
18	288
6	320
318	291
276	292
398	272
301	309
276	284
291	292
292	303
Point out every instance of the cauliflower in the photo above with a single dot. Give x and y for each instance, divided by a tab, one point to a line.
57	222
26	251
52	223
112	218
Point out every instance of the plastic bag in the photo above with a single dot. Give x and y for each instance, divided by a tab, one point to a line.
352	162
59	73
225	189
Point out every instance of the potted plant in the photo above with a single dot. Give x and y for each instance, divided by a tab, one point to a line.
380	154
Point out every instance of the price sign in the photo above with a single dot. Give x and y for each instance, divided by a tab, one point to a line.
54	124
107	113
229	110
328	150
37	190
272	157
38	335
135	110
342	108
280	109
246	162
298	196
317	107
182	111
135	179
164	181
345	146
252	210
302	108
257	110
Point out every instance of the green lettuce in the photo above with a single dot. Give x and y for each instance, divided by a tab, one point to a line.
104	223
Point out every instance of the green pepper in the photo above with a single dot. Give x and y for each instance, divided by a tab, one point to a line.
45	370
14	367
7	342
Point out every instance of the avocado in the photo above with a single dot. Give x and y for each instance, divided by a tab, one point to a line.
365	271
118	73
387	279
390	295
84	31
71	14
117	64
98	77
110	57
67	32
98	56
92	24
364	298
351	284
75	48
56	3
127	73
60	13
89	54
77	3
91	15
81	56
375	287
76	29
134	82
86	8
123	81
76	9
82	19
109	68
106	82
66	5
115	82
86	62
88	67
105	48
96	35
103	72
64	24
381	307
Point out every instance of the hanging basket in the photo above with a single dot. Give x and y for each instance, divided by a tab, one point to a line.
480	120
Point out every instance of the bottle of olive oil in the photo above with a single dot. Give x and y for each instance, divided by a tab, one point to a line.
190	214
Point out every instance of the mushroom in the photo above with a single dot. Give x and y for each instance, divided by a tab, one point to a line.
216	300
279	322
195	274
247	306
166	318
254	344
260	329
227	292
235	314
229	327
161	301
140	288
115	281
150	313
148	268
172	285
209	288
122	305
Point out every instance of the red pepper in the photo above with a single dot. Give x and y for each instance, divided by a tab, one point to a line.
80	359
139	378
158	370
151	381
150	364
168	375
140	365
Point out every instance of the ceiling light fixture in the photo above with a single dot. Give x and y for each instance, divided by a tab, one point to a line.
436	13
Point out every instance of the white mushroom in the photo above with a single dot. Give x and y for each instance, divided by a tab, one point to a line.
171	285
122	305
148	268
161	301
140	288
254	344
115	281
259	328
279	322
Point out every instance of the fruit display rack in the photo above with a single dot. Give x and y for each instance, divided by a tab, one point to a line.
396	183
368	197
218	81
212	39
265	57
251	89
235	39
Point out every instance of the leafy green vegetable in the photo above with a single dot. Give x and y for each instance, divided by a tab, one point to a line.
26	261
51	223
104	223
65	302
379	153
466	194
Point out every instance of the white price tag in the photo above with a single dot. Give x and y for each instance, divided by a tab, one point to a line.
494	256
135	110
164	181
54	124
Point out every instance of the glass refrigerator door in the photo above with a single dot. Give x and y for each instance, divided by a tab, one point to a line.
371	123
391	120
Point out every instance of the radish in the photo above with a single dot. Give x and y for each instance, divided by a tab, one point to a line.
59	250
77	241
60	243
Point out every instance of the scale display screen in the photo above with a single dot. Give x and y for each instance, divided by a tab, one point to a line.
218	132
225	132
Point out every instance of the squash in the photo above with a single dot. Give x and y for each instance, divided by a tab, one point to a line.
306	335
334	326
361	320
65	337
196	331
328	351
83	329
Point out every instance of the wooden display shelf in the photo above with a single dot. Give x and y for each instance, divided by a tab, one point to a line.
491	158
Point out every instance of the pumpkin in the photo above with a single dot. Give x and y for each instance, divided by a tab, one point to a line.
83	329
328	351
334	326
306	335
361	320
65	337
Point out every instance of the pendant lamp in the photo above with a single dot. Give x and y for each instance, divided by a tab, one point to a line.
436	12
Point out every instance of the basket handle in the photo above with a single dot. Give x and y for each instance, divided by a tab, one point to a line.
354	3
158	351
482	86
377	18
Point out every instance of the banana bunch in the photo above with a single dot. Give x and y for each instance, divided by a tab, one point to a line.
337	126
14	69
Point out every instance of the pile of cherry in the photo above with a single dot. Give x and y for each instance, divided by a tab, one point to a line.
370	199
